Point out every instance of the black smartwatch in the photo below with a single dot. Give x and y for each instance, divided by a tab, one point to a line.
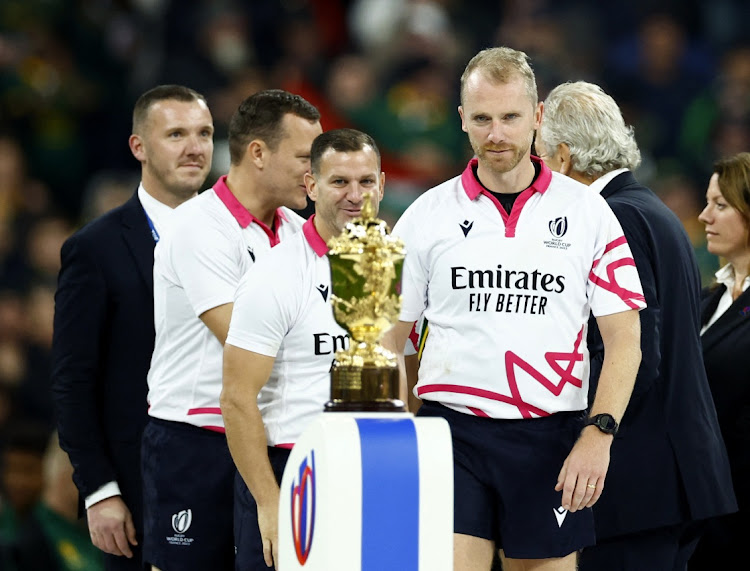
604	422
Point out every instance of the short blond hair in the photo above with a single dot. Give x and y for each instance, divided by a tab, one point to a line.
502	65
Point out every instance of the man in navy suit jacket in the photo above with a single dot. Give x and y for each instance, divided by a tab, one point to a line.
104	322
669	468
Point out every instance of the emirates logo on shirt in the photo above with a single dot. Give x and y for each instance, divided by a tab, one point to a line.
327	344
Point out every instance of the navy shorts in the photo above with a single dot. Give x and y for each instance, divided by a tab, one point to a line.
188	491
246	532
505	473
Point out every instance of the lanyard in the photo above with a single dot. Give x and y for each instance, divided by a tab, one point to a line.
154	233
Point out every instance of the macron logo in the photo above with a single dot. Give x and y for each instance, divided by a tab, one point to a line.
323	289
252	254
560	514
466	227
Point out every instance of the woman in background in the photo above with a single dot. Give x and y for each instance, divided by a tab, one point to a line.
725	317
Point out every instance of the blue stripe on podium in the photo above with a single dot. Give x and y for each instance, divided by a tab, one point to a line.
390	494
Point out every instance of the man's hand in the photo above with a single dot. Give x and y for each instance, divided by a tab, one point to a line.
582	476
111	526
268	522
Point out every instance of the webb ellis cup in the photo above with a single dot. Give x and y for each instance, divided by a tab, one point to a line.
366	264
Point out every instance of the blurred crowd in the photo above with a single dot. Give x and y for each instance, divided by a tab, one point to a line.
70	71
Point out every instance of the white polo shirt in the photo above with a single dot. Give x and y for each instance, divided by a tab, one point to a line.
508	296
283	310
213	240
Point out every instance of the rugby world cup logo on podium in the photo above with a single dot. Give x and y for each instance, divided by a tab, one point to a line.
303	508
181	521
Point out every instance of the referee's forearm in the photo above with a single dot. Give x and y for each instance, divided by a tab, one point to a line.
245	373
249	447
411	365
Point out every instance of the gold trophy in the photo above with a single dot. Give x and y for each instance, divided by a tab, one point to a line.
366	264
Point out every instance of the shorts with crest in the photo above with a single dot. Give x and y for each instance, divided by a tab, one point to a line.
188	491
505	473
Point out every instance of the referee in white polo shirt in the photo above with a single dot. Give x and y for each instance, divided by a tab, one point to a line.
506	262
188	473
283	337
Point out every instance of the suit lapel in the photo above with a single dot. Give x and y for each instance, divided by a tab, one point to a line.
734	316
138	238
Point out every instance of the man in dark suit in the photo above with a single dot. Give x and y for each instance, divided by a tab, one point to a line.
104	324
669	468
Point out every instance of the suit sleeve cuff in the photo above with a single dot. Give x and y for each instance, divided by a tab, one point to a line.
106	491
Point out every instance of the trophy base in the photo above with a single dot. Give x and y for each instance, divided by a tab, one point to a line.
364	389
372	406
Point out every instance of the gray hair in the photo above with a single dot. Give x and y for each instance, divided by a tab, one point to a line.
584	117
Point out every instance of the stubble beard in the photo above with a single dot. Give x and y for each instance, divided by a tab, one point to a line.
181	188
499	167
505	166
185	191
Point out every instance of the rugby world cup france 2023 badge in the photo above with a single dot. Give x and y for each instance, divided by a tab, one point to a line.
180	524
303	508
558	227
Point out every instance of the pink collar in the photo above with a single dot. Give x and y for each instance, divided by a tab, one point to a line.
241	214
474	188
313	238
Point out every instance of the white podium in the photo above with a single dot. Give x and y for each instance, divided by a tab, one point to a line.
368	492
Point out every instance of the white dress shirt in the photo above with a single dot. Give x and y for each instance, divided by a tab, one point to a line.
725	276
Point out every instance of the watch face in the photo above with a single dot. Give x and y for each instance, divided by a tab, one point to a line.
604	422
